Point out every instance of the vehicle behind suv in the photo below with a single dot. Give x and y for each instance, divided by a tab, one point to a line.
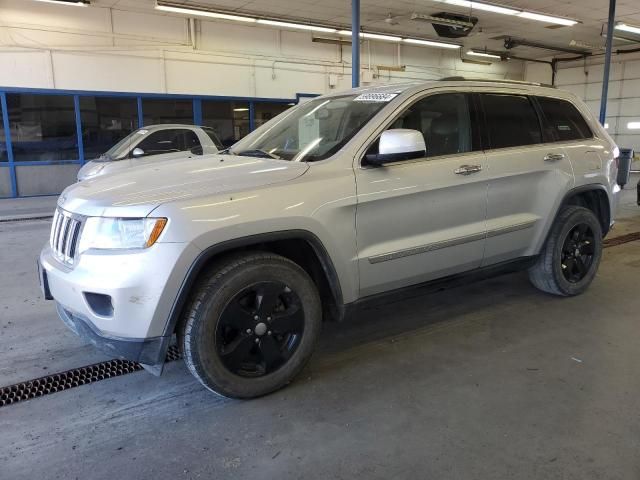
242	255
153	144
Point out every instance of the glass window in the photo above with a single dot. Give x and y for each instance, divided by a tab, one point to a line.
265	111
229	120
169	141
311	131
444	121
4	156
106	121
43	127
159	110
511	120
212	135
563	120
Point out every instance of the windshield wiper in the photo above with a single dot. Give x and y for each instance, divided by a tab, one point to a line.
258	153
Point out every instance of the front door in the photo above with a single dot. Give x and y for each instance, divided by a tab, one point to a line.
418	220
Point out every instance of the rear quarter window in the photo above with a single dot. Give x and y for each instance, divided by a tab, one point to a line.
563	121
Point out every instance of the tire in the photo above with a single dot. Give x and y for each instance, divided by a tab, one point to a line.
234	334
558	269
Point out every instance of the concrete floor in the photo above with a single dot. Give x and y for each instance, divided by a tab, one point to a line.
492	380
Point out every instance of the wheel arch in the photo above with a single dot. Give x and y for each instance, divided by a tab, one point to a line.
593	197
301	246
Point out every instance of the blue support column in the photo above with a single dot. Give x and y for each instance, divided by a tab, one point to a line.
355	43
607	61
76	106
7	139
140	115
252	121
197	111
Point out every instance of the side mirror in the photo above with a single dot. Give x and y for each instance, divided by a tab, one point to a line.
197	150
396	145
137	152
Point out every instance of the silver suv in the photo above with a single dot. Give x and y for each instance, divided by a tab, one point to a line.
241	255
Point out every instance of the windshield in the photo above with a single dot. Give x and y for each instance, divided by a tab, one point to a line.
314	130
120	150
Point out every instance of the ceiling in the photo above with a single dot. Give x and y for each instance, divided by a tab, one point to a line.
591	13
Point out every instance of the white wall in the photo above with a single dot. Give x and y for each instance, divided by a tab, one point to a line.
139	50
585	80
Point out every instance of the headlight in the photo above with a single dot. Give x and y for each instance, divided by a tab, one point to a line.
120	233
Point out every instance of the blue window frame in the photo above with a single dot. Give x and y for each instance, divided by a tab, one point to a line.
55	127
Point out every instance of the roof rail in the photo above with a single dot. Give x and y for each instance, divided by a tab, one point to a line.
493	80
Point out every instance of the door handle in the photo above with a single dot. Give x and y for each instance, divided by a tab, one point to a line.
553	157
467	169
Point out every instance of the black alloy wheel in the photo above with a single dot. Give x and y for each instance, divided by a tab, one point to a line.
251	324
577	253
260	329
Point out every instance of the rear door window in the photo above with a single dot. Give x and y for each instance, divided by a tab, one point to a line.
563	121
510	120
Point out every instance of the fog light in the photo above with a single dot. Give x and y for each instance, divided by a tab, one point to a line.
99	303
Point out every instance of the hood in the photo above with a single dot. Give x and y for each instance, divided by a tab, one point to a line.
136	191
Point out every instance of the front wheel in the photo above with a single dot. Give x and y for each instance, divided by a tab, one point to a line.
569	260
251	326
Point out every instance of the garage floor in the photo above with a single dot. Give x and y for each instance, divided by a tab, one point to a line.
491	380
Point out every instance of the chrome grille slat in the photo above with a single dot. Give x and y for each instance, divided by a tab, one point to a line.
65	234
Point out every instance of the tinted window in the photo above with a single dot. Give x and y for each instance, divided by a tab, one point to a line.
156	111
511	120
106	121
168	141
229	120
263	111
43	127
444	122
564	122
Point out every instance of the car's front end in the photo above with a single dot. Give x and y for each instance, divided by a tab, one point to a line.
115	269
114	282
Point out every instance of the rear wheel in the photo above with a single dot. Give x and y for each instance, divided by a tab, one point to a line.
251	326
569	260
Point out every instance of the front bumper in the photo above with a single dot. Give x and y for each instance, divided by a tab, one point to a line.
148	351
141	286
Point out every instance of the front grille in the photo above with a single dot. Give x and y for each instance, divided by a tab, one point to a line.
65	235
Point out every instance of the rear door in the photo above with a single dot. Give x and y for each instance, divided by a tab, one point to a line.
527	175
566	127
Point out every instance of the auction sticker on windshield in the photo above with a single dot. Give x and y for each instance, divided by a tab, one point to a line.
375	97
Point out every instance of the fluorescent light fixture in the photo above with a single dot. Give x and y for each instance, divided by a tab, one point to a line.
63	2
373	36
300	26
429	43
633	125
547	18
204	13
627	28
483	54
490	7
487	7
240	109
